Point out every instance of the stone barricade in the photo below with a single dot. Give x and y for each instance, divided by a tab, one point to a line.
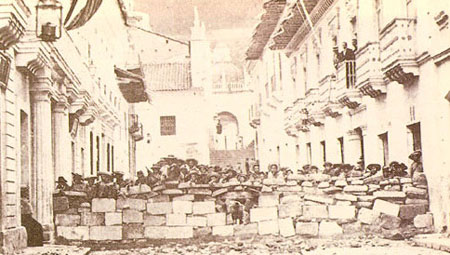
310	206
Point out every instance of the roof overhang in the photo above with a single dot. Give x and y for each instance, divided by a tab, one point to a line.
131	85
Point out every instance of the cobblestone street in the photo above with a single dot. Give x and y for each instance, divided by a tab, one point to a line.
275	245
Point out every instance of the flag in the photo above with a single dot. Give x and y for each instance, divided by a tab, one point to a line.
83	16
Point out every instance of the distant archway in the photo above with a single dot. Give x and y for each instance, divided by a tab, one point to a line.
229	138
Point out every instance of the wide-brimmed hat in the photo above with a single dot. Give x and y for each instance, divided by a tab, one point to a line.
376	167
242	176
116	173
327	164
103	173
192	160
416	154
62	179
90	177
75	175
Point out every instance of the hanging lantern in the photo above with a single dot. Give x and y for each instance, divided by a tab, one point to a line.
219	127
49	20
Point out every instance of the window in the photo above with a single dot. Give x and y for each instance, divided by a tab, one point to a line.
308	153
341	148
414	137
73	157
91	152
108	157
168	125
350	73
324	151
97	145
24	148
361	144
112	158
278	155
385	148
82	160
297	154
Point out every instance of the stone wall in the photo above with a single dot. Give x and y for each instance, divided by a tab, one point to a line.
224	158
310	206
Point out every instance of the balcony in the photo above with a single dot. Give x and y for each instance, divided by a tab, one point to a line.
369	77
13	16
398	52
327	96
255	116
136	128
346	92
230	87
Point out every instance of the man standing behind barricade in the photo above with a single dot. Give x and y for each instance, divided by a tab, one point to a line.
91	189
328	167
192	164
105	188
141	179
77	183
153	175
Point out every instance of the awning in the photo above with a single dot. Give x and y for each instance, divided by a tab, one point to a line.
131	85
269	20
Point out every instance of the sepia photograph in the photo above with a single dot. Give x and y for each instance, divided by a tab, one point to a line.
297	127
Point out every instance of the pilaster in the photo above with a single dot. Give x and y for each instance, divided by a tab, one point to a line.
62	140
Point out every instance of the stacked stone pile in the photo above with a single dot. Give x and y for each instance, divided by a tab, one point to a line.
311	205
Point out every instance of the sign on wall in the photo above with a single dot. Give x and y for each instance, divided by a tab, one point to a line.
168	125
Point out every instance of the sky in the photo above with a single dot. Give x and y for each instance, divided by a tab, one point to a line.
227	21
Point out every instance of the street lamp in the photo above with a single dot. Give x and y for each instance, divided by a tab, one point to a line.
49	20
219	128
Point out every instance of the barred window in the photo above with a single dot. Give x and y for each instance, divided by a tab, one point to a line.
168	125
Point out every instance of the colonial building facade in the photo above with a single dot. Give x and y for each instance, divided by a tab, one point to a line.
194	87
66	106
376	99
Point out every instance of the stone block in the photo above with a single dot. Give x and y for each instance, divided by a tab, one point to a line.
290	199
341	212
159	208
357	182
289	188
286	227
172	192
73	233
352	227
246	230
409	212
342	203
366	198
263	214
206	207
367	216
327	229
104	233
155	232
202	231
223	230
92	219
132	203
219	192
385	207
113	218
319	199
133	231
356	188
159	199
390	195
307	184
364	205
196	221
177	232
412	201
309	229
323	185
178	219
154	220
202	192
413	192
331	190
290	210
405	180
268	200
315	211
182	207
132	216
340	183
60	204
216	219
103	205
268	227
389	222
187	197
346	197
423	221
67	220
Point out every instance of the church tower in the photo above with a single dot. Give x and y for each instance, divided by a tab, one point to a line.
200	54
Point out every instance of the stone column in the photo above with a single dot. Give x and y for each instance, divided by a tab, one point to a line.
62	141
42	172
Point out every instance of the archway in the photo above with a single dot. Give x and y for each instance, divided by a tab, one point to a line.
229	138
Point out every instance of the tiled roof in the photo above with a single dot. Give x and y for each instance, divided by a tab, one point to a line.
167	76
